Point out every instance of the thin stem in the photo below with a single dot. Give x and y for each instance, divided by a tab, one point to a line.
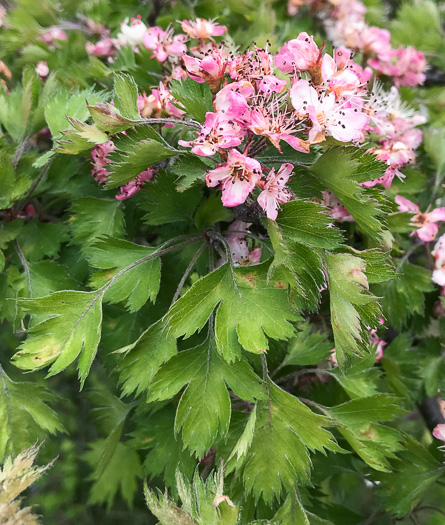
430	507
266	382
298	373
321	408
188	123
19	152
409	252
25	201
187	273
25	266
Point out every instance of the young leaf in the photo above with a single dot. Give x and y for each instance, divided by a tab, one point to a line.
250	308
204	409
278	455
307	348
138	282
127	165
189	168
66	324
126	96
195	98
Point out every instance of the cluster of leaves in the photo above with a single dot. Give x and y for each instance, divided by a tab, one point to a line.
210	381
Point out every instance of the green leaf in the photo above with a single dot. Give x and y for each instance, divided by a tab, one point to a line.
416	470
67	324
73	104
278	456
46	277
25	414
190	169
204	410
163	202
404	296
195	98
141	360
299	266
93	218
308	223
211	211
136	281
250	308
107	118
38	239
307	348
348	287
125	96
126	165
166	451
341	170
374	443
120	475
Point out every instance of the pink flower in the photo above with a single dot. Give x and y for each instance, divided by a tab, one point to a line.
132	34
163	43
237	177
42	69
439	431
271	84
405	65
276	126
327	116
252	65
158	104
132	187
202	29
209	69
341	82
386	179
375	40
299	54
425	222
51	36
103	48
439	261
275	191
215	136
240	253
337	210
99	154
231	101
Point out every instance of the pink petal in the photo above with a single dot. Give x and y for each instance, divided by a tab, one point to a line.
436	215
406	205
235	192
428	232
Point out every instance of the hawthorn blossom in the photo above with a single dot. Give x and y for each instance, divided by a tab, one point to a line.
210	68
51	37
132	187
132	34
375	342
439	261
42	69
328	117
299	54
425	222
343	82
336	208
231	102
253	65
163	43
106	47
406	66
202	29
237	177
215	136
275	191
158	104
239	249
277	126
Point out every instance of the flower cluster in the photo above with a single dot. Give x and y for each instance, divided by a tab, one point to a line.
426	223
298	96
344	22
